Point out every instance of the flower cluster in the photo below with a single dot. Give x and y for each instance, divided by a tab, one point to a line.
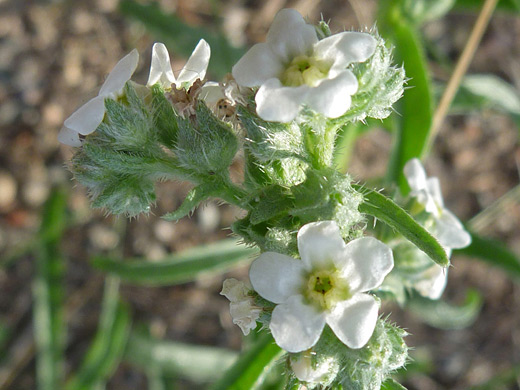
318	282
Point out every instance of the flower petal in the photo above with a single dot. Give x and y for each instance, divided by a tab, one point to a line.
346	47
211	92
234	290
121	73
289	36
332	97
319	244
244	314
276	277
433	186
87	118
366	262
353	321
277	103
197	64
415	174
160	68
69	137
296	326
450	232
432	282
257	66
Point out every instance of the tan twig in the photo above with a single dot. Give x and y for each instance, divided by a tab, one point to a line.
493	212
461	67
359	12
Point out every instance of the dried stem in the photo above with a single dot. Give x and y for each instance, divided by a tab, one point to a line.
461	67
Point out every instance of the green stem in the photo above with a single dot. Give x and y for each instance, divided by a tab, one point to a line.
232	193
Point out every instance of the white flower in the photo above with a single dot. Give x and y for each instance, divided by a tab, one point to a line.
431	282
326	286
306	371
294	68
450	232
447	228
223	97
195	68
243	311
87	118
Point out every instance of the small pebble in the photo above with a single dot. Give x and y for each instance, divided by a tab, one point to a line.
164	231
103	237
208	217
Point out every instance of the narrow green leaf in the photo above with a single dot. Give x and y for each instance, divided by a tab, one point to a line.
178	268
158	381
419	12
384	209
181	37
415	107
54	217
197	195
443	315
493	252
199	364
5	335
49	326
250	368
391	384
481	91
108	346
503	5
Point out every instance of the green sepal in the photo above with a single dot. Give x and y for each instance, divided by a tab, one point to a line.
381	84
368	367
127	124
384	209
205	144
391	384
269	141
274	152
126	195
164	117
269	203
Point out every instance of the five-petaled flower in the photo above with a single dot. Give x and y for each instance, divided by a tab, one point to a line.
87	118
294	68
328	285
443	225
242	308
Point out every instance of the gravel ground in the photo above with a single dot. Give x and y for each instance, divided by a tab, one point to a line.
54	55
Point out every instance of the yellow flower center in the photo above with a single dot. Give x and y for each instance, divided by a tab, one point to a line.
304	70
326	288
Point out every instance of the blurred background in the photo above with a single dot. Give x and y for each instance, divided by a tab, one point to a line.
54	55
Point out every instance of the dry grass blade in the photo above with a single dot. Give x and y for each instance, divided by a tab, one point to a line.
462	67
